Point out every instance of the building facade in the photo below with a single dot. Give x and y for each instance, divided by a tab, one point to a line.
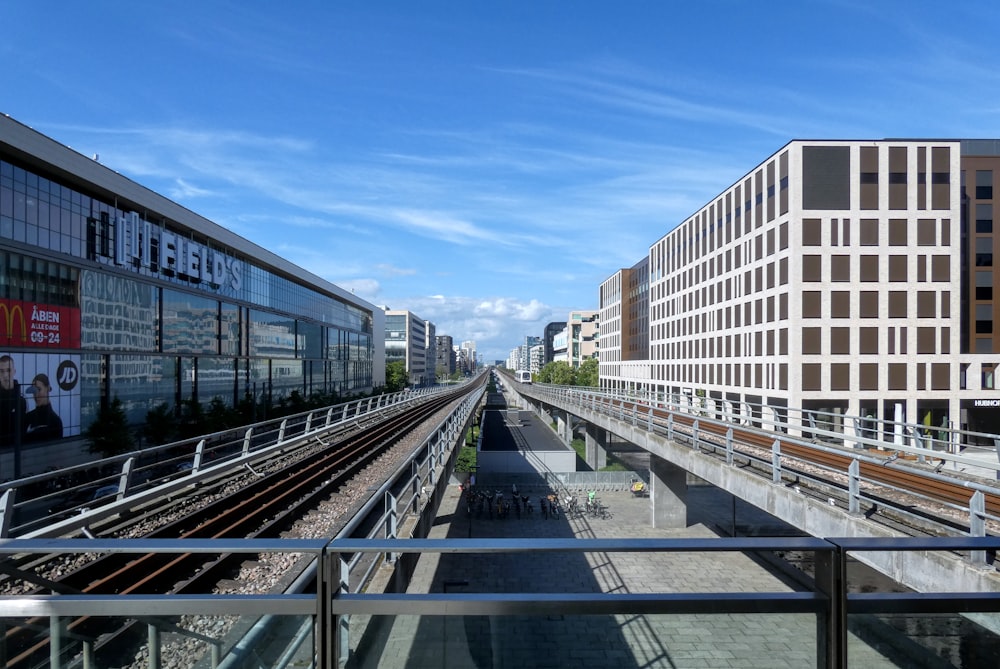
842	277
582	336
552	352
468	362
445	359
407	339
109	290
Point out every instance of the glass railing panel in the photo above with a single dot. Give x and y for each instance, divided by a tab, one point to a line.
936	640
627	641
168	641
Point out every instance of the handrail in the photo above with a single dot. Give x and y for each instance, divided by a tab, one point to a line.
828	599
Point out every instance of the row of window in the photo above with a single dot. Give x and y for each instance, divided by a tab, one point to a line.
41	212
820	377
873	232
930	340
142	382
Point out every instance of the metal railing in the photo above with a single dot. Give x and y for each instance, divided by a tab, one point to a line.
651	418
327	608
27	504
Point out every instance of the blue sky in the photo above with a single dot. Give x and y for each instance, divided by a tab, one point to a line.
485	165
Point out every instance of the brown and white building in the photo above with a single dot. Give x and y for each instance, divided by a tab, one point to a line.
844	278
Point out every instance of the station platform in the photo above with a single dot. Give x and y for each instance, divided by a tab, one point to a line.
677	641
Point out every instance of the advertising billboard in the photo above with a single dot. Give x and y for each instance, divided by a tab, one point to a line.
39	397
38	325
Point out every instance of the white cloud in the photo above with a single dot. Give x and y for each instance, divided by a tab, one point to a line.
366	289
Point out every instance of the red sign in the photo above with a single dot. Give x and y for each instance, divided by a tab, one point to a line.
38	325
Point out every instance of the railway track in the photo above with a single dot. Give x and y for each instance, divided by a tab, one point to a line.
265	507
922	489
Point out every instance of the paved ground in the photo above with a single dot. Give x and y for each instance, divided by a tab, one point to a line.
767	641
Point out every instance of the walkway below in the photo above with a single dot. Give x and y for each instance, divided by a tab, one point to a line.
765	641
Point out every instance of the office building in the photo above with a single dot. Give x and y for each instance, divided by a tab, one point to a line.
840	277
110	290
409	338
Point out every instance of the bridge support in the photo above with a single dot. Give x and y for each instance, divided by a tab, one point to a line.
596	444
563	426
668	493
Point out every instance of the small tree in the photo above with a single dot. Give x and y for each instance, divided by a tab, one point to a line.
219	416
588	374
395	376
559	372
161	426
109	434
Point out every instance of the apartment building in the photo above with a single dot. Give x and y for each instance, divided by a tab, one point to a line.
843	277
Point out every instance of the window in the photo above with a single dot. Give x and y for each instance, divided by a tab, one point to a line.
984	219
812	376
897	177
926	304
812	268
869	269
984	319
868	376
812	341
868	304
811	304
840	376
869	177
941	268
989	379
868	341
984	252
869	232
840	341
984	286
840	304
840	268
984	184
926	341
812	232
940	376
926	227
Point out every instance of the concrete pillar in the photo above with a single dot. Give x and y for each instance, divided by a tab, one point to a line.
596	445
668	493
562	425
544	415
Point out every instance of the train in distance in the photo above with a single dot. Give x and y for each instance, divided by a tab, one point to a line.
523	376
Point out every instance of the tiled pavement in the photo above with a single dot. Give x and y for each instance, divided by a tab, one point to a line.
766	641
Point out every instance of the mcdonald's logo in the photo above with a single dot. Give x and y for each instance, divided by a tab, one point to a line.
9	315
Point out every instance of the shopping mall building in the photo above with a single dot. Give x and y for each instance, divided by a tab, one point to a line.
841	277
109	290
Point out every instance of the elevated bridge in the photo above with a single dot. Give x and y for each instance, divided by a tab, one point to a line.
822	482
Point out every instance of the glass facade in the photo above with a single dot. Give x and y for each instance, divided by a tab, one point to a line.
147	311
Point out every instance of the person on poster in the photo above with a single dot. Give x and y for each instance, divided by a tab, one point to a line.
12	404
42	423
